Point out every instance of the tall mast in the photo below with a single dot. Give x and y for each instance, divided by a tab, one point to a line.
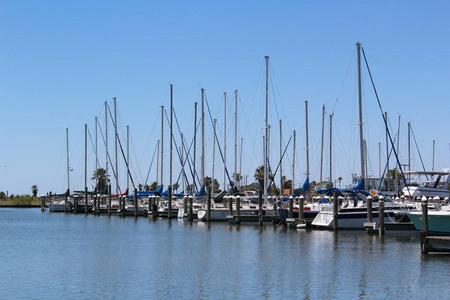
224	141
307	140
266	119
307	146
68	166
281	158
106	142
331	148
96	145
183	178
293	162
409	146
387	153
115	145
235	139
240	159
128	157
195	143
157	162
162	145
321	147
85	160
214	156
361	138
398	146
171	136
203	138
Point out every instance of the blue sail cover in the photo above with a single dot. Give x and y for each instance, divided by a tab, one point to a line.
359	186
202	192
305	186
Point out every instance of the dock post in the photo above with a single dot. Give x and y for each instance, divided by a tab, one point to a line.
274	207
369	209
208	205
154	208
85	200
260	208
185	205
381	215
424	232
75	203
335	212
301	207
65	202
150	203
230	205
43	203
169	197
94	204
291	207
238	209
191	208
109	200
136	203
109	204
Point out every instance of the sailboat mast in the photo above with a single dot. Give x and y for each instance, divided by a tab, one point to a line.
85	158
195	144
235	138
162	145
224	141
171	137
307	140
361	138
203	138
281	158
266	140
96	145
106	146
214	156
128	157
293	162
68	166
331	148
307	146
321	147
115	145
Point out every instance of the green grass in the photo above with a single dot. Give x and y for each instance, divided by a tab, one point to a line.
20	200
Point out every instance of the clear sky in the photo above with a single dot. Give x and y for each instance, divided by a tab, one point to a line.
61	60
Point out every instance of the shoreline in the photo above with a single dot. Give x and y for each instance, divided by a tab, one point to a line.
19	205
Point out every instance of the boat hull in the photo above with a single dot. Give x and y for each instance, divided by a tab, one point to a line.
438	222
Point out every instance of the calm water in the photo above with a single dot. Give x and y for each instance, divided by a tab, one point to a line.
56	255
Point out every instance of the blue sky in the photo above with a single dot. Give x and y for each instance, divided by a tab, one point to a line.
60	60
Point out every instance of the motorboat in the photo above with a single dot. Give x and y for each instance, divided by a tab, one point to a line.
431	186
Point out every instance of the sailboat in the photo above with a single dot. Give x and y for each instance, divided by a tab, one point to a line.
63	205
353	212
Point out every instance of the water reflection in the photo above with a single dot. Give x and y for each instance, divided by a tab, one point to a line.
137	258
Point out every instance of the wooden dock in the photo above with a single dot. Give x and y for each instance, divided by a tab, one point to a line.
432	243
428	241
237	219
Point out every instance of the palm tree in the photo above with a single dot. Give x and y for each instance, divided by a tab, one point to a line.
339	179
153	186
101	179
259	176
34	190
175	186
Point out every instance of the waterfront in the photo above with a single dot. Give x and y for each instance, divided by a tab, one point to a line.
57	255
